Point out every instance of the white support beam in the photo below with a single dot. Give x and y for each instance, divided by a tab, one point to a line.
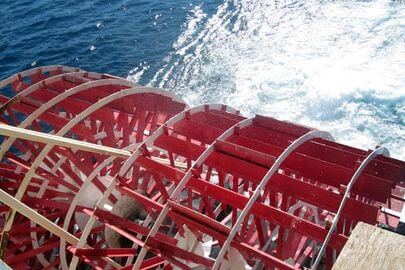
356	175
42	221
28	212
30	135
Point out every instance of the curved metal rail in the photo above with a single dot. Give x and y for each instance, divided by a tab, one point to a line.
356	175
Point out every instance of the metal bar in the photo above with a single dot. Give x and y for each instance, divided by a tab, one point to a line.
360	169
37	218
237	200
236	227
90	223
37	86
64	130
183	182
57	140
40	220
72	91
36	136
37	70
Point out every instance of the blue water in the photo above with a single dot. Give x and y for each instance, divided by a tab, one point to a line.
335	65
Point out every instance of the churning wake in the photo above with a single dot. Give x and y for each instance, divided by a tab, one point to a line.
334	65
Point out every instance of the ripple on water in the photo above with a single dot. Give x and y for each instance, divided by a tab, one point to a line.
335	65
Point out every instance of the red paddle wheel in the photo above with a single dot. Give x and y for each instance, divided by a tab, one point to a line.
98	172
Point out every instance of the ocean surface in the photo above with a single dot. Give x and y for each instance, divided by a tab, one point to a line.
334	65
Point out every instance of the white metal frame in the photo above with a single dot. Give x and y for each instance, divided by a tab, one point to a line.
379	151
36	70
39	85
123	93
31	214
49	104
128	163
183	182
236	227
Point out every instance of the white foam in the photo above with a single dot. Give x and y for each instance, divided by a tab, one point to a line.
337	66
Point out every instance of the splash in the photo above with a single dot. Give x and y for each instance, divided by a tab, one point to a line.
334	65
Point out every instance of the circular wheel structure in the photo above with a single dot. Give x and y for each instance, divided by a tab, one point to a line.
98	172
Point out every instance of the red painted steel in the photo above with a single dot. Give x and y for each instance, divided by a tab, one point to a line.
114	205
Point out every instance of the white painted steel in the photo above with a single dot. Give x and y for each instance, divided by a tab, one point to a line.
236	227
356	175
